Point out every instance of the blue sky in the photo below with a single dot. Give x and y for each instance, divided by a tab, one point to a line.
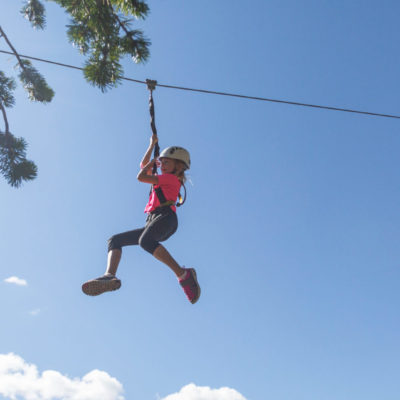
291	220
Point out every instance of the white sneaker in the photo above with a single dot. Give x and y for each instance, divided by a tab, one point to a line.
105	283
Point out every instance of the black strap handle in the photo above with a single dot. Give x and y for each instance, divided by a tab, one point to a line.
151	85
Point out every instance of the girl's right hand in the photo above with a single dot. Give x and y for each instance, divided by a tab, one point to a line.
153	140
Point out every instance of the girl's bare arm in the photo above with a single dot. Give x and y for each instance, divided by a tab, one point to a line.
147	156
145	176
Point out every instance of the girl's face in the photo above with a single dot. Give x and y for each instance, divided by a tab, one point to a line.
168	165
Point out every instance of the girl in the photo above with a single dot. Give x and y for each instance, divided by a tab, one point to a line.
161	223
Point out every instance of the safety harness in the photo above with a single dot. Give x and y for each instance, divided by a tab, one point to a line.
167	203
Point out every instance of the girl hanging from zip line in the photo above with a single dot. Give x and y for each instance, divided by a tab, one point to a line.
161	223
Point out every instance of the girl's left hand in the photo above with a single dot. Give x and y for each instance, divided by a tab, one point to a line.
149	165
145	174
153	140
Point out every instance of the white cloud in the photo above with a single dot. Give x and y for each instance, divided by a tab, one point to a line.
35	312
16	281
193	392
22	381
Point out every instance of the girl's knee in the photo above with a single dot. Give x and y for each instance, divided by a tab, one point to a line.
148	244
113	243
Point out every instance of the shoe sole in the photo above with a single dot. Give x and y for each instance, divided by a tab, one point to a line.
94	288
197	283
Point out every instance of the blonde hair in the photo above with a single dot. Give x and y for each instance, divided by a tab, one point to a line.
181	173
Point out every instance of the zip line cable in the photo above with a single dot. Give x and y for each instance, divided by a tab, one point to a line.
294	103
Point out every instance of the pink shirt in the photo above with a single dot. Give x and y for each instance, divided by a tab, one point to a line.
170	185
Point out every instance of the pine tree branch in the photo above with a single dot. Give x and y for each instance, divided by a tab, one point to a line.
34	12
12	48
85	5
121	24
33	82
3	110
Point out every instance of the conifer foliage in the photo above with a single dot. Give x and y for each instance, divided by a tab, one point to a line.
13	163
102	31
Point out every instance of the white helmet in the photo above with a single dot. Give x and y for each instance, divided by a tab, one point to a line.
177	153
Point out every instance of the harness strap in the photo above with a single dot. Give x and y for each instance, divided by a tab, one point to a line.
164	202
161	198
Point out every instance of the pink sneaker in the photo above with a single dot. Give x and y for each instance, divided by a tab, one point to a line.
190	285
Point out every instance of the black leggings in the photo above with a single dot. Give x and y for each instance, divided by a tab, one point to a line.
160	225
